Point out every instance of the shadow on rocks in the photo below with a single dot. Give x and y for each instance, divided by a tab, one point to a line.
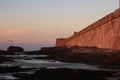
66	74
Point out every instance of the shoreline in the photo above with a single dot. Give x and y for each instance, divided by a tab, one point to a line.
87	55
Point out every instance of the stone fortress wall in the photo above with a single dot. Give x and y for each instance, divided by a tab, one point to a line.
105	33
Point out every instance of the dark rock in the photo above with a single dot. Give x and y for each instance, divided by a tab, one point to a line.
4	59
90	55
33	52
66	74
9	69
54	50
15	49
3	52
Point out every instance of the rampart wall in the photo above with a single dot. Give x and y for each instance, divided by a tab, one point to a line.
105	33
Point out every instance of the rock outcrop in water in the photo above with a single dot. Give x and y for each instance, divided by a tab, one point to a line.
15	49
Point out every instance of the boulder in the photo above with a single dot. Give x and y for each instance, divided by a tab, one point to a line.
15	49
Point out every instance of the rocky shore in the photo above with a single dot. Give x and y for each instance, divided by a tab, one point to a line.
106	59
90	55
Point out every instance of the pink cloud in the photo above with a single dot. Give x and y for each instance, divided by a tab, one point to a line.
16	32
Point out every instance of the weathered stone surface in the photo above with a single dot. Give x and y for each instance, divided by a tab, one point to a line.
105	33
15	49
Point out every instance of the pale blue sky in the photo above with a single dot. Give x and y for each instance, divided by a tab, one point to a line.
42	21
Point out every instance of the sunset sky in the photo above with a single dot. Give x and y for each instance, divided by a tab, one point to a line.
36	23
